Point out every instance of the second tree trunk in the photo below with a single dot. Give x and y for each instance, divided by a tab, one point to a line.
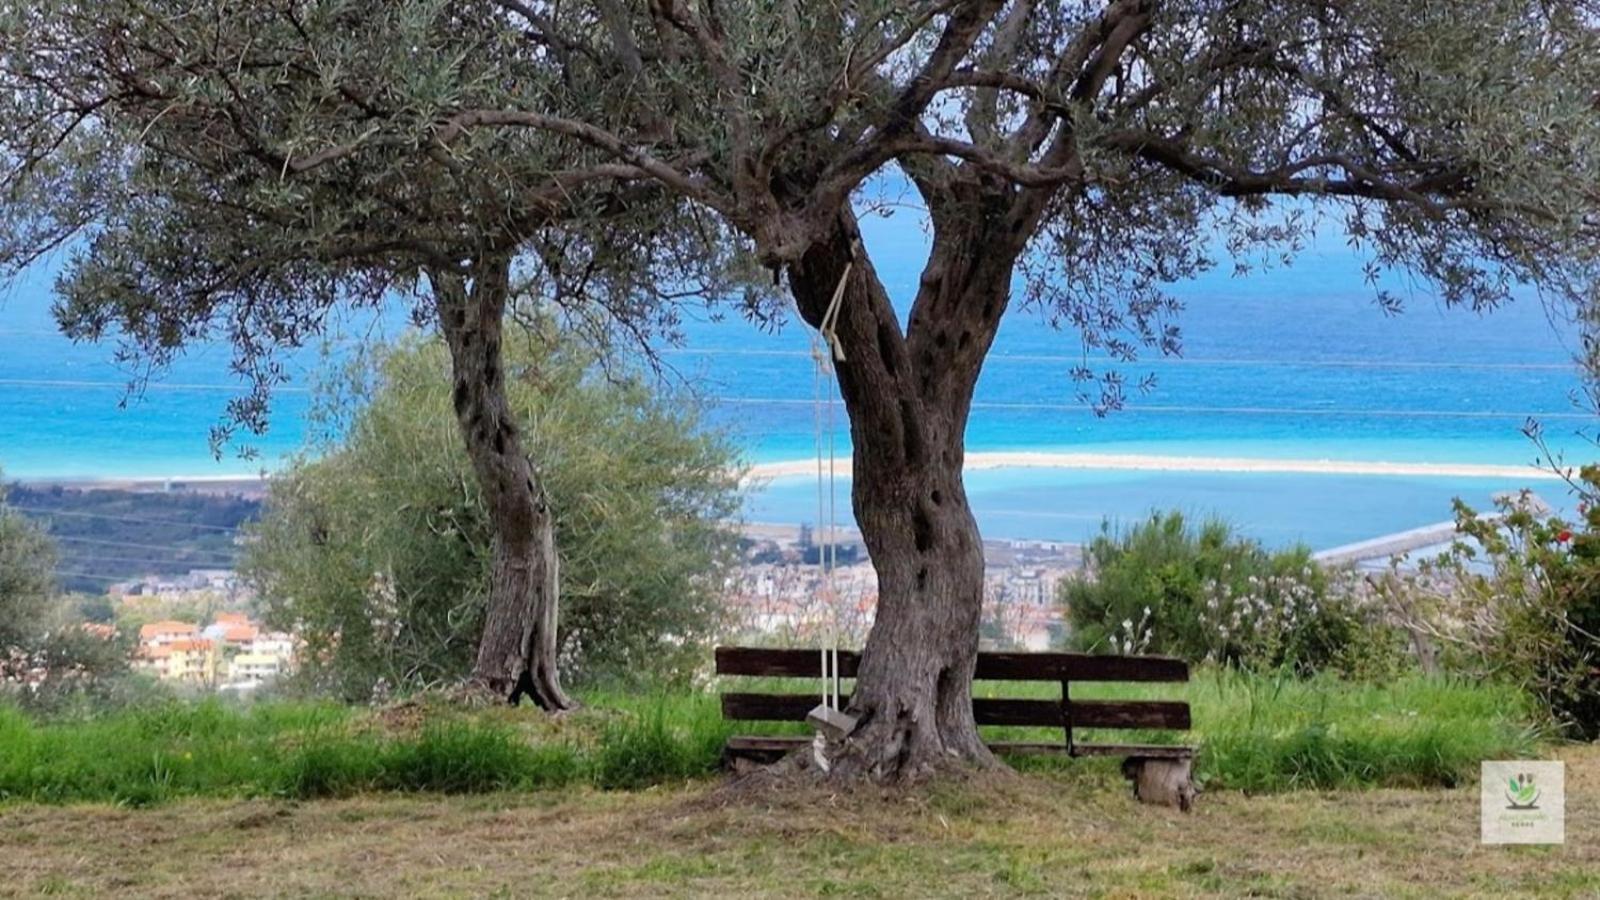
517	650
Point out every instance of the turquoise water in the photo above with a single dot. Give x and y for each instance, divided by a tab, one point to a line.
1291	363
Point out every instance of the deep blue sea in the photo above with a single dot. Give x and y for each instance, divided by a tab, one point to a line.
1294	363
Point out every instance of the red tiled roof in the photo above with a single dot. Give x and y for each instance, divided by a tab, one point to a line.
167	627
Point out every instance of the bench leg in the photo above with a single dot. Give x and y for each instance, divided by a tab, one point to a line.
1164	782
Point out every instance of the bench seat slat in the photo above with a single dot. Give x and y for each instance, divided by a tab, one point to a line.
1078	667
768	707
771	748
1165	714
1128	714
1155	751
794	707
773	662
784	743
765	748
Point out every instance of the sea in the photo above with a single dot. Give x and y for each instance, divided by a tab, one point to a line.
1296	362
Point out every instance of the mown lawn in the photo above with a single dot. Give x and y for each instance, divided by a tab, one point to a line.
1031	835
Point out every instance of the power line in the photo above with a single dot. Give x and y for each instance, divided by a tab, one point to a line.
139	560
1039	514
144	386
87	515
1180	360
107	578
1070	407
167	547
1135	409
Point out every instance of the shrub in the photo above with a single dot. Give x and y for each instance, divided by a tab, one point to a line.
377	551
49	659
1516	598
1202	593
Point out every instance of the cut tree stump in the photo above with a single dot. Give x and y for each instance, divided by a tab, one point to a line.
1162	781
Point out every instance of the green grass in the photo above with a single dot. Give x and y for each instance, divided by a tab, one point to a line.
1255	733
1263	733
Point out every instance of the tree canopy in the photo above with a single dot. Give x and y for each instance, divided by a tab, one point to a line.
1126	144
237	170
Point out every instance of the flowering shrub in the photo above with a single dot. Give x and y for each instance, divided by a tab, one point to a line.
1517	598
1205	594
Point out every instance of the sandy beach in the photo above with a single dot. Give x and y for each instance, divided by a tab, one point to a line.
1152	463
795	468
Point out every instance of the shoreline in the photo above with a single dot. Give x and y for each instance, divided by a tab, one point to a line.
1139	462
976	461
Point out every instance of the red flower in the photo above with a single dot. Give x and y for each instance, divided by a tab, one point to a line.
1563	537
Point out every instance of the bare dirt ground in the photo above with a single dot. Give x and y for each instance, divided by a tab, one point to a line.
1028	835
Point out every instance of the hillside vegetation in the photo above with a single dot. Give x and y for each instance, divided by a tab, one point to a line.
107	535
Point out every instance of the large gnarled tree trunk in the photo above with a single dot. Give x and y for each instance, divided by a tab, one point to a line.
908	396
517	650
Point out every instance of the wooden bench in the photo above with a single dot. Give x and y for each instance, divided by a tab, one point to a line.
1160	772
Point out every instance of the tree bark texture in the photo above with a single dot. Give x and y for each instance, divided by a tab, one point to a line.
517	650
908	395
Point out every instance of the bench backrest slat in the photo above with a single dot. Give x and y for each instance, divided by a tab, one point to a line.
1129	714
775	662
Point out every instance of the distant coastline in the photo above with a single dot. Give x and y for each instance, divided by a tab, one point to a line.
975	461
244	485
1208	464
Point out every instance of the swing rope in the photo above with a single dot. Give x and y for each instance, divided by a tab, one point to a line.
825	379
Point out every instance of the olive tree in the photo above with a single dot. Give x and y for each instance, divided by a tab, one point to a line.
1075	157
239	171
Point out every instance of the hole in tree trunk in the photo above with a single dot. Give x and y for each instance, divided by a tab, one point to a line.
922	530
910	434
886	348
